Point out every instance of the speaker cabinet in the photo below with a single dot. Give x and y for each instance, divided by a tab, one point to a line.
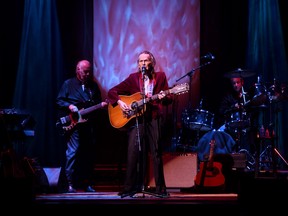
52	175
179	170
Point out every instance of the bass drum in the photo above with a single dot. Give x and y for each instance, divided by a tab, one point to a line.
198	119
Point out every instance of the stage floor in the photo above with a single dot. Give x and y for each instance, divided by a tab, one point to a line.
248	194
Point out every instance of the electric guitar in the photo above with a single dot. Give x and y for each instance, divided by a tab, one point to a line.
119	119
210	172
68	122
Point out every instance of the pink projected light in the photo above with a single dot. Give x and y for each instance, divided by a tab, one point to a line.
170	29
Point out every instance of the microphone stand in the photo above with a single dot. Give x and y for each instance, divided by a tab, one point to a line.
187	110
190	74
142	151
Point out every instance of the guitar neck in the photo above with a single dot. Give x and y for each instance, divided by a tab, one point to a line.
90	109
211	153
153	97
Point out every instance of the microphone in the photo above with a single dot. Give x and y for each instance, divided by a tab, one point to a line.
143	70
208	56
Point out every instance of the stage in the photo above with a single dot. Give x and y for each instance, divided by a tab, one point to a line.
248	194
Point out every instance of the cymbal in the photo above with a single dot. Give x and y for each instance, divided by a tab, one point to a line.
239	73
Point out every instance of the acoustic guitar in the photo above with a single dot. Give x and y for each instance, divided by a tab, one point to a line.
119	119
68	122
210	172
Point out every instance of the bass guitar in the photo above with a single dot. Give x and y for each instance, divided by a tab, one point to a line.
210	172
68	122
119	119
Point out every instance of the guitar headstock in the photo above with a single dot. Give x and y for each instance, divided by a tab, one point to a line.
180	88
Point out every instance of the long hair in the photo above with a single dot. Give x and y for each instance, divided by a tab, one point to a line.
152	58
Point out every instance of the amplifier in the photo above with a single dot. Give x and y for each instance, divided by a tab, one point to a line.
179	170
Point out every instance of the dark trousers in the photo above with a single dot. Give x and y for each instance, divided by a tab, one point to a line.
141	140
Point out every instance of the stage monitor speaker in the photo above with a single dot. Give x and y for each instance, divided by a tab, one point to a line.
52	175
45	179
179	170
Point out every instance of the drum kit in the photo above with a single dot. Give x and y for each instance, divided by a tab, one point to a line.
259	95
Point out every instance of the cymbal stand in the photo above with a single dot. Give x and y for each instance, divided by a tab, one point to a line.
238	138
238	130
268	155
275	151
250	160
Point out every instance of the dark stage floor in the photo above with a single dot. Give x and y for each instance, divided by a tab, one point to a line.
247	195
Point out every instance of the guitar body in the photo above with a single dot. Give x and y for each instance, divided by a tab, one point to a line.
210	173
66	123
210	177
119	119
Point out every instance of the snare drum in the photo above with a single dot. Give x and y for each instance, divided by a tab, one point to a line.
198	119
237	119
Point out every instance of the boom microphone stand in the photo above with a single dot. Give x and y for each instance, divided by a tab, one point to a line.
142	160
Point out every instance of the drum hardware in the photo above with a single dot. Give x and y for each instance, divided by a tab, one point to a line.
198	119
244	95
267	157
277	92
186	140
188	121
267	142
236	123
258	94
250	159
237	118
238	139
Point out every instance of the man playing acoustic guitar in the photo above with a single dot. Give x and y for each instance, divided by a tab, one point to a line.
149	124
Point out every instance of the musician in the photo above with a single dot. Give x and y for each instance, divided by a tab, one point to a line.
148	82
236	112
233	100
78	93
